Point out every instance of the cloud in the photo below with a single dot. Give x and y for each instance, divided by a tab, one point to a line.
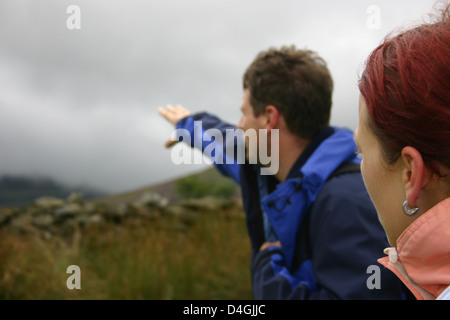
81	105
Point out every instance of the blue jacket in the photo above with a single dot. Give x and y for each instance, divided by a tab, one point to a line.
321	213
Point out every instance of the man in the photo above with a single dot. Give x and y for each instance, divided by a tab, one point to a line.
313	230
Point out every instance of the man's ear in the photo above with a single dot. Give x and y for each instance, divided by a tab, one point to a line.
415	174
272	117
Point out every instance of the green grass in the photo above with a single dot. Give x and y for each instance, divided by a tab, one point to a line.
204	257
195	186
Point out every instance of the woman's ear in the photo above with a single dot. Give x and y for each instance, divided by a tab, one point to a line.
272	116
415	174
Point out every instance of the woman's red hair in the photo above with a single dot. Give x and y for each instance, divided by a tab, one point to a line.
406	88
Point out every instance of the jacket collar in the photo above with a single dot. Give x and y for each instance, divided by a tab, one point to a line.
309	150
422	257
292	199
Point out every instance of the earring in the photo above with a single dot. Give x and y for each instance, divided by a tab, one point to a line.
409	212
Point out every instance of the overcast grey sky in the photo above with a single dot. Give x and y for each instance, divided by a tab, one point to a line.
81	105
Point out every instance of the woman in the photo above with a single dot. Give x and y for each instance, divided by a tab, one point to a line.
404	137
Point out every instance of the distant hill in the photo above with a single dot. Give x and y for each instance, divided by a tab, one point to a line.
208	182
19	191
23	190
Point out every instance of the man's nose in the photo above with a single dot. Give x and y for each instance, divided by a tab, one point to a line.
240	124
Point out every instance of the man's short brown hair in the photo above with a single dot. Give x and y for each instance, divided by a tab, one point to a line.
297	82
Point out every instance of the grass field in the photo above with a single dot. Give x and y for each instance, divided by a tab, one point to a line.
201	256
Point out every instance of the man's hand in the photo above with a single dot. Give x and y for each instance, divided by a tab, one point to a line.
173	115
265	245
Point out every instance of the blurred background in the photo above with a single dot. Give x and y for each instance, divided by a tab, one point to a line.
80	106
78	112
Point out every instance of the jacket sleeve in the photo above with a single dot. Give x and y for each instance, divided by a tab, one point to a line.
216	139
346	238
272	280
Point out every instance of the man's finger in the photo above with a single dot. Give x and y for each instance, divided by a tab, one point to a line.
169	143
167	114
162	112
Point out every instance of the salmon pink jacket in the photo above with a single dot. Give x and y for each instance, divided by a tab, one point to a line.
422	257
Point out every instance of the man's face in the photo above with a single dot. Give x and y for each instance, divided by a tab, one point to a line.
249	121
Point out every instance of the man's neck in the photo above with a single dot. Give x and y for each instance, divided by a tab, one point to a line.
290	149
